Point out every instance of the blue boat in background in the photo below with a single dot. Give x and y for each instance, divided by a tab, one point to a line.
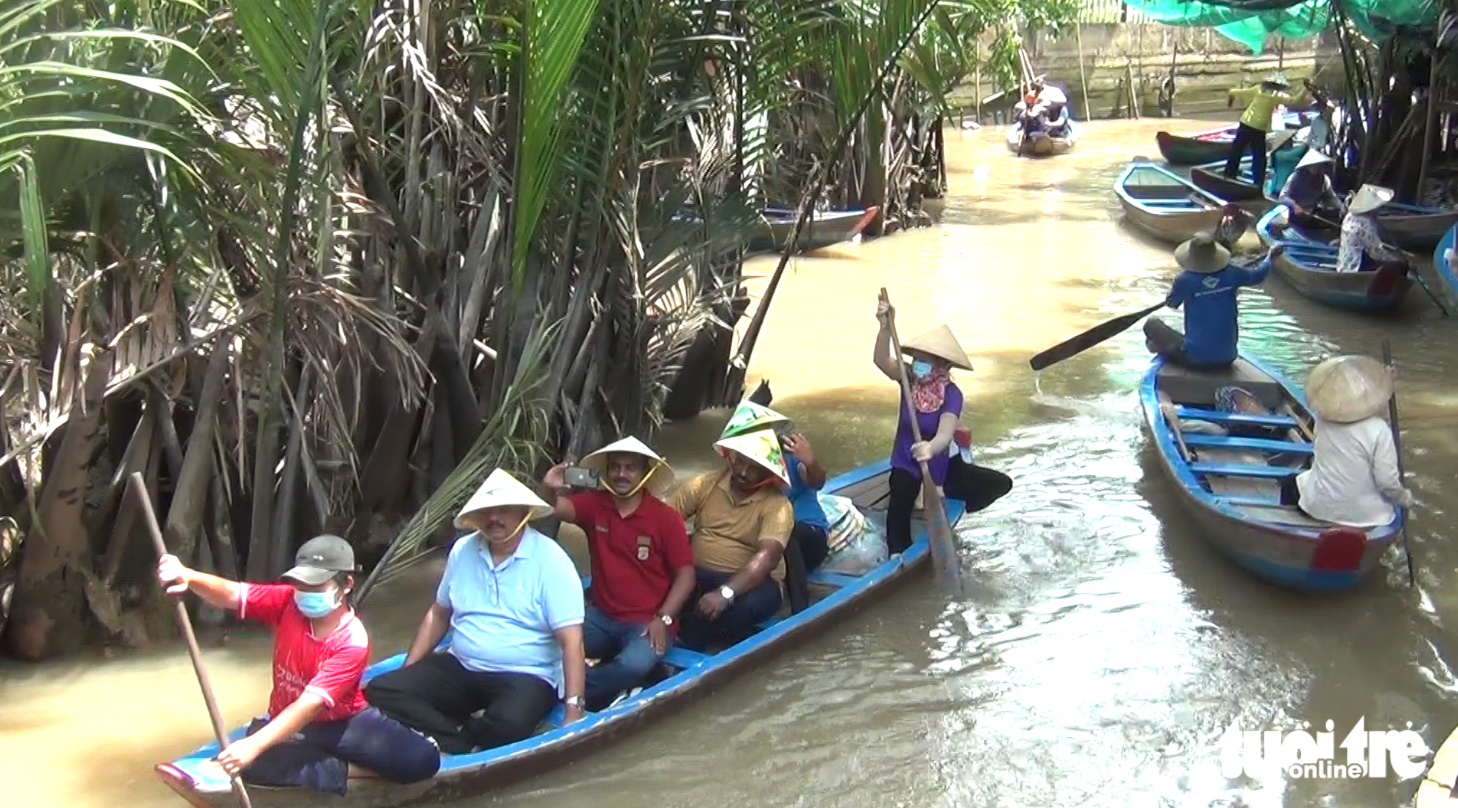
1309	267
1227	463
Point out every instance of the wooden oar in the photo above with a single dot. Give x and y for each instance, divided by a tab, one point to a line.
1397	445
1090	338
139	490
1418	276
939	531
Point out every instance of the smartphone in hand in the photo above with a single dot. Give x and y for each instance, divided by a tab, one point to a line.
579	477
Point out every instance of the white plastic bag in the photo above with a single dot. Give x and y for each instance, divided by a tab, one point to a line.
856	543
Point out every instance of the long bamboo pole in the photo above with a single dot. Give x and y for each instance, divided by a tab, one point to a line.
1430	126
1082	76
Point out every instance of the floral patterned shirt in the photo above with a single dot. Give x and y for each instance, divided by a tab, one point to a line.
1359	236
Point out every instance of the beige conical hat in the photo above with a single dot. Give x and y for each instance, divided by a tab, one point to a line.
1313	157
1369	198
500	489
941	343
660	477
1202	254
763	447
1344	389
749	416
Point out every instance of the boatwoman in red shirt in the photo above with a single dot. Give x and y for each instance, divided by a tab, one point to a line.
320	730
642	564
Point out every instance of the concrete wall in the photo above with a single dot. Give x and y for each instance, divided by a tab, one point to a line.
1206	64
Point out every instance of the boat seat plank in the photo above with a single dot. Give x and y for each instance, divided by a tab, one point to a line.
1237	419
1231	470
1257	444
1240	500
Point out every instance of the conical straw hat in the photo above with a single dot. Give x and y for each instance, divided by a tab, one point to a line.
941	343
1344	389
1202	254
500	489
749	416
1313	157
763	447
1369	198
661	474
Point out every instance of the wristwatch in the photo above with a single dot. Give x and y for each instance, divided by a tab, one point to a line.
727	593
574	701
667	620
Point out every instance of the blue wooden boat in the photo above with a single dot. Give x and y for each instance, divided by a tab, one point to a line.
1229	478
685	674
1310	268
1444	268
1164	204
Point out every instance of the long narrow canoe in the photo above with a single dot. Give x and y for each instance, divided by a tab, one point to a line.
1310	268
686	674
1242	189
1230	483
1437	789
1414	227
1164	204
1041	145
1445	268
824	229
1211	144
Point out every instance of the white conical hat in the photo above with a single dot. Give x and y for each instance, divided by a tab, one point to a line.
942	343
749	416
500	489
763	447
1344	389
1369	198
660	473
1312	157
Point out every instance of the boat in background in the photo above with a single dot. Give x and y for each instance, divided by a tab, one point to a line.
1309	267
1226	467
1414	227
1164	204
1214	144
824	229
1242	190
1444	268
1041	145
683	675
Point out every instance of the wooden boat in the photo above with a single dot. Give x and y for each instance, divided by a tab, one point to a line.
1437	788
1414	227
1164	204
1241	191
1291	233
1230	483
1041	145
686	674
1447	273
1310	268
1211	144
824	228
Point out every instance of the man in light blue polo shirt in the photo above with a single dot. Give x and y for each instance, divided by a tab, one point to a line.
512	600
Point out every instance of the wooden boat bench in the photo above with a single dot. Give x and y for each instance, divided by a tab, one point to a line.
1234	418
1263	472
1257	444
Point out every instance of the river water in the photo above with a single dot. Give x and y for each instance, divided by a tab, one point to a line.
1103	648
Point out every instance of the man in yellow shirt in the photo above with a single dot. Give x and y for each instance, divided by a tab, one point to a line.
741	524
1261	102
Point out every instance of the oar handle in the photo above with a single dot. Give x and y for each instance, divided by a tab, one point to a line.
220	730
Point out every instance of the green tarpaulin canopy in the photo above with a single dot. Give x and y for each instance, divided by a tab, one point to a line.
1249	22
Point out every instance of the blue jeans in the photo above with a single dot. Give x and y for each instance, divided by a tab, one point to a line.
318	757
626	656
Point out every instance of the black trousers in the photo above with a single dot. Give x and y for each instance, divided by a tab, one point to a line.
438	696
318	756
1248	139
1166	341
976	486
808	547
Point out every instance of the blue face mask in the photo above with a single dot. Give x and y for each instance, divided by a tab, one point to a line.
921	368
316	604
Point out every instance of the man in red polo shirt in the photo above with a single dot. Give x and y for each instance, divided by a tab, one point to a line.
320	730
642	564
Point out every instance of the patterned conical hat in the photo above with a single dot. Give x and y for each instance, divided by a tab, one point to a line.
941	343
661	474
749	416
500	489
763	447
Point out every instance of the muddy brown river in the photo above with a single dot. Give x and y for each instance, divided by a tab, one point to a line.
1103	648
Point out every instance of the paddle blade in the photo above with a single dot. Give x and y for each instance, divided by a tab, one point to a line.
1090	338
939	536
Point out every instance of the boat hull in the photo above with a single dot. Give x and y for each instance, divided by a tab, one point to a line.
1310	268
1282	552
1163	204
1040	145
1415	231
1446	272
469	775
823	230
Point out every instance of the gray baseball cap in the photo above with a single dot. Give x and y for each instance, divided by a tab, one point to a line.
320	559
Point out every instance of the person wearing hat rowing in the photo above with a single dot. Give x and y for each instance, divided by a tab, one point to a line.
320	730
1055	108
512	601
1308	192
1353	479
938	404
742	522
1250	135
1362	249
1206	287
642	565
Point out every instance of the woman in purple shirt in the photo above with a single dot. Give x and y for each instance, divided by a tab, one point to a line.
938	404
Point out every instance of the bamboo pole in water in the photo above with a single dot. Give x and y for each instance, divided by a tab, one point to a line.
1082	77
